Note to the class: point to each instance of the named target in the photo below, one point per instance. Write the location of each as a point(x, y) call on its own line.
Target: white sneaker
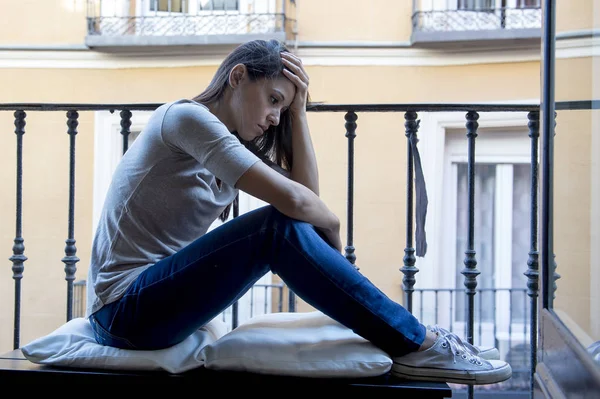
point(484, 352)
point(449, 361)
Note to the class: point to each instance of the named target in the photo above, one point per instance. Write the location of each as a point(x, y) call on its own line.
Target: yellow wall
point(340, 20)
point(576, 15)
point(35, 22)
point(572, 201)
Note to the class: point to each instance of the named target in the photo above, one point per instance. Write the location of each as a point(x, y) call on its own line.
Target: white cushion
point(308, 344)
point(73, 345)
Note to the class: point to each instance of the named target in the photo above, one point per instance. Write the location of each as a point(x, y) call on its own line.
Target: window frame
point(434, 158)
point(146, 8)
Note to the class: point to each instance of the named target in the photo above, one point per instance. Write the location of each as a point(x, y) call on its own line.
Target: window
point(219, 5)
point(166, 5)
point(475, 5)
point(502, 201)
point(528, 3)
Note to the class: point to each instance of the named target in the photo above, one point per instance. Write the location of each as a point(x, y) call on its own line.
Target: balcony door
point(502, 215)
point(502, 206)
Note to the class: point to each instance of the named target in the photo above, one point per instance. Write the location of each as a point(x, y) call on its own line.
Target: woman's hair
point(263, 61)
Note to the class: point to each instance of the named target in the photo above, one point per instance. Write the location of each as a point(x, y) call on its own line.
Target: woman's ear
point(237, 75)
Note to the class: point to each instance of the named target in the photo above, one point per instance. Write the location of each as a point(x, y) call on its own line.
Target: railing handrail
point(322, 107)
point(482, 9)
point(315, 107)
point(464, 289)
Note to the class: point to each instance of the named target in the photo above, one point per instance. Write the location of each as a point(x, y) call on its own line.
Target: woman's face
point(259, 104)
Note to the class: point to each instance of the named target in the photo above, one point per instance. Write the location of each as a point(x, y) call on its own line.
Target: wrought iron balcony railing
point(478, 19)
point(173, 22)
point(476, 306)
point(476, 24)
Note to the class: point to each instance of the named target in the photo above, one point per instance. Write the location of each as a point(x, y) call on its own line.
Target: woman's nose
point(273, 119)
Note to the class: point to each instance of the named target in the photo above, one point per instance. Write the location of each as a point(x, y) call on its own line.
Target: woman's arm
point(292, 199)
point(304, 170)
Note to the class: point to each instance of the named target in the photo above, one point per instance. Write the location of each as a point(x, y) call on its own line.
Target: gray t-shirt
point(163, 195)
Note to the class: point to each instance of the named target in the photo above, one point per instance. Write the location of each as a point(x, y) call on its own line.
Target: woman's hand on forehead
point(294, 71)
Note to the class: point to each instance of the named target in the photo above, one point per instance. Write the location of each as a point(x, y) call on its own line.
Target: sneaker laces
point(442, 331)
point(456, 344)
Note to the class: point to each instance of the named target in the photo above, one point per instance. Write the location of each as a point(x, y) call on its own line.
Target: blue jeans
point(179, 294)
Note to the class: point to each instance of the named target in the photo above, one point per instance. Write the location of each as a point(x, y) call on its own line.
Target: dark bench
point(20, 372)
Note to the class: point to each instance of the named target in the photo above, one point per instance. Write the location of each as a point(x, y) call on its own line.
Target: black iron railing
point(153, 18)
point(416, 199)
point(477, 19)
point(501, 320)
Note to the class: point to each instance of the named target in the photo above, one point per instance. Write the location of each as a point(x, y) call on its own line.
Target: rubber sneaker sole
point(482, 377)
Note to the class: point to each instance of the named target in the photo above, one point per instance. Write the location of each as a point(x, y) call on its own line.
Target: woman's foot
point(447, 360)
point(484, 352)
point(430, 338)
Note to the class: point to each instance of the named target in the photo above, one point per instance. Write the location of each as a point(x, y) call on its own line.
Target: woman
point(156, 275)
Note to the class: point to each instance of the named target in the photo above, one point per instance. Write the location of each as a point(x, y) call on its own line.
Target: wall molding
point(65, 57)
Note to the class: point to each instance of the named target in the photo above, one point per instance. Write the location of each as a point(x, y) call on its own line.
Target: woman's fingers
point(295, 72)
point(294, 64)
point(300, 84)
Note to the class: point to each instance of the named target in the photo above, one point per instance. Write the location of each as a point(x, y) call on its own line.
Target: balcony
point(433, 27)
point(119, 25)
point(503, 316)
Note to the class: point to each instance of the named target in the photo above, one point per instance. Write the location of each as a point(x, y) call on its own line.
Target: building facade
point(382, 52)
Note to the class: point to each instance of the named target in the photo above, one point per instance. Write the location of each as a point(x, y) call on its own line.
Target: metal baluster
point(18, 258)
point(266, 289)
point(436, 307)
point(510, 316)
point(70, 259)
point(532, 272)
point(280, 305)
point(350, 125)
point(479, 324)
point(291, 300)
point(421, 305)
point(523, 294)
point(470, 271)
point(235, 305)
point(409, 270)
point(495, 293)
point(252, 301)
point(451, 305)
point(125, 125)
